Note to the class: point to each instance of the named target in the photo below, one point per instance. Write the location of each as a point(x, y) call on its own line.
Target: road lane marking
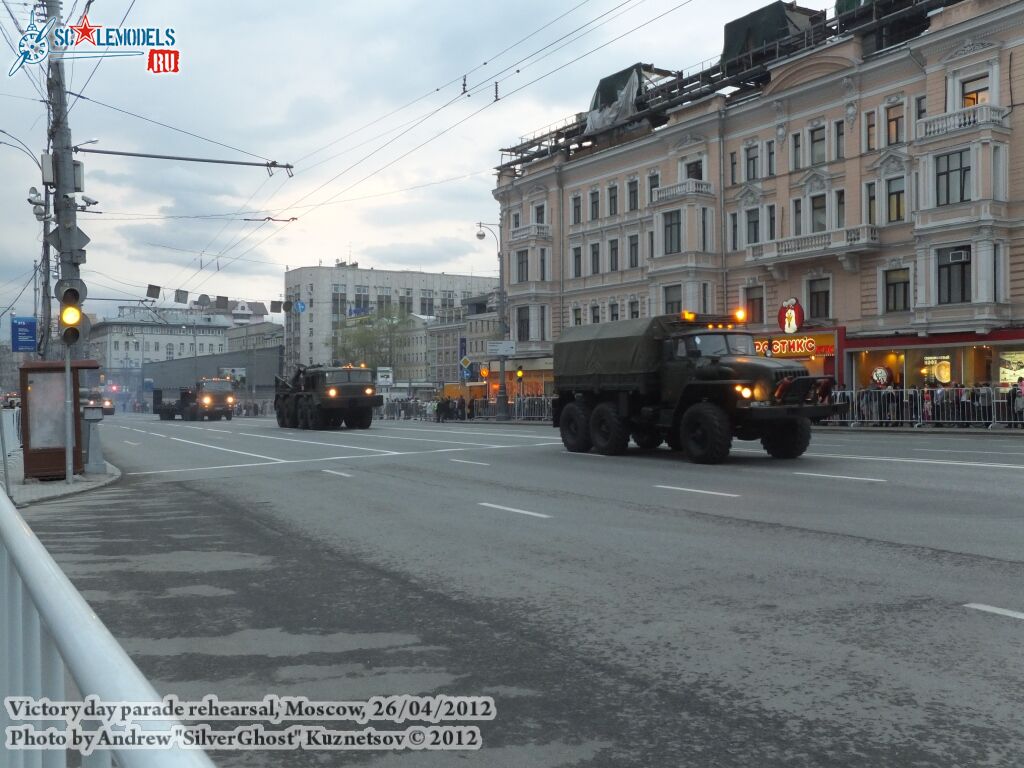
point(464, 461)
point(958, 450)
point(897, 460)
point(431, 440)
point(513, 509)
point(156, 434)
point(316, 442)
point(203, 469)
point(697, 490)
point(225, 431)
point(131, 443)
point(510, 433)
point(842, 477)
point(993, 609)
point(228, 450)
point(334, 472)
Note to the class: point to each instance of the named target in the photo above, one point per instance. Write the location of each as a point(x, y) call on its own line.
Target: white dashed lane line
point(993, 609)
point(464, 461)
point(335, 472)
point(513, 509)
point(697, 490)
point(843, 477)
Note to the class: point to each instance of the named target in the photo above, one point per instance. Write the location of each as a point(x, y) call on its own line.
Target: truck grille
point(788, 373)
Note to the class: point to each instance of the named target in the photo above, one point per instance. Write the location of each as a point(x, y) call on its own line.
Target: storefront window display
point(933, 366)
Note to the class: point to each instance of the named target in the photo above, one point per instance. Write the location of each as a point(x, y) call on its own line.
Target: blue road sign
point(300, 306)
point(23, 334)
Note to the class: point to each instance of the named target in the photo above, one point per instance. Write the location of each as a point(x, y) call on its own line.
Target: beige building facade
point(880, 189)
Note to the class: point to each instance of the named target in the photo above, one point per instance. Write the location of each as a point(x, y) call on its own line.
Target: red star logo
point(85, 30)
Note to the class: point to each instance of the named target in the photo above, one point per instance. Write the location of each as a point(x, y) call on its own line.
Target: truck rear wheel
point(301, 415)
point(574, 426)
point(608, 432)
point(789, 439)
point(282, 419)
point(317, 418)
point(646, 439)
point(705, 434)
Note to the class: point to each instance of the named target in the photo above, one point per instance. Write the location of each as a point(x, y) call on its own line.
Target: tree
point(371, 339)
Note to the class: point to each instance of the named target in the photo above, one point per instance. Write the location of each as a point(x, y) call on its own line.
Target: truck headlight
point(368, 390)
point(207, 399)
point(231, 399)
point(332, 392)
point(744, 391)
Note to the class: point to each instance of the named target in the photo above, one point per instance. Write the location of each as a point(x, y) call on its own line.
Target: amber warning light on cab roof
point(739, 317)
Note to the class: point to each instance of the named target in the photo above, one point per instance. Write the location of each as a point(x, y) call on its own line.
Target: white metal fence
point(942, 407)
point(47, 630)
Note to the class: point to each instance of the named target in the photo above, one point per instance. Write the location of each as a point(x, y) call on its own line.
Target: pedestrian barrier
point(47, 629)
point(519, 409)
point(10, 423)
point(982, 406)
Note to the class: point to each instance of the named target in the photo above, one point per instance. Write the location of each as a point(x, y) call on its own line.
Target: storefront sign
point(791, 316)
point(797, 346)
point(937, 367)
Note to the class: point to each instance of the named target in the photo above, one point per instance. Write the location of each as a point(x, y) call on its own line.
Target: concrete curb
point(1001, 432)
point(36, 492)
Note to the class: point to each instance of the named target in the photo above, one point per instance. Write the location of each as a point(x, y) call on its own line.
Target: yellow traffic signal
point(73, 324)
point(519, 372)
point(484, 372)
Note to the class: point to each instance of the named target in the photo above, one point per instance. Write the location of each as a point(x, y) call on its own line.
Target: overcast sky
point(324, 86)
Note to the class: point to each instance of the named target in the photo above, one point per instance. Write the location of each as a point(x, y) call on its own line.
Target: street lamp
point(502, 414)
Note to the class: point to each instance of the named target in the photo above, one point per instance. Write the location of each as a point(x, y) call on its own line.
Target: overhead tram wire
point(98, 60)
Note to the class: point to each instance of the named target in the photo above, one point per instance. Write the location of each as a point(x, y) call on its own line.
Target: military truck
point(694, 382)
point(323, 397)
point(210, 399)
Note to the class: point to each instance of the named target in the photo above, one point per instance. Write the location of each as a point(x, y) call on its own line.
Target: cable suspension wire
point(100, 59)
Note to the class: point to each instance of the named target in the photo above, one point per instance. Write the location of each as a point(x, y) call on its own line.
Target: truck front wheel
point(705, 434)
point(647, 438)
point(359, 418)
point(574, 426)
point(789, 439)
point(608, 432)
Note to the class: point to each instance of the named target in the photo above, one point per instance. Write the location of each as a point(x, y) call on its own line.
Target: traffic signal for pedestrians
point(73, 325)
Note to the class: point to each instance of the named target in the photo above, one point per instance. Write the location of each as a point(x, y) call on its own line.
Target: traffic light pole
point(69, 423)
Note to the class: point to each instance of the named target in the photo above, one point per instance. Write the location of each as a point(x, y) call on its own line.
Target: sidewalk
point(24, 493)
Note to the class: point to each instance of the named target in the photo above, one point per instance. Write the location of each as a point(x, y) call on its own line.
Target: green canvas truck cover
point(622, 347)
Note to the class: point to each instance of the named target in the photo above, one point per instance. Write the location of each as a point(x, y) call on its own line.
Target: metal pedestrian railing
point(984, 407)
point(520, 409)
point(47, 630)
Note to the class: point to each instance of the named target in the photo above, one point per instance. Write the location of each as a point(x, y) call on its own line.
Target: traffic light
point(519, 373)
point(73, 325)
point(484, 371)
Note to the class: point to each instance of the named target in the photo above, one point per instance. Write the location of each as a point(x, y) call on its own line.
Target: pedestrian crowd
point(954, 404)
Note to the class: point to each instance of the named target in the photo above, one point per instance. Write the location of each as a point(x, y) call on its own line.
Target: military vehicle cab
point(212, 399)
point(325, 397)
point(692, 381)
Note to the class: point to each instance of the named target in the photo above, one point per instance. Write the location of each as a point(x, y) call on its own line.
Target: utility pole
point(69, 240)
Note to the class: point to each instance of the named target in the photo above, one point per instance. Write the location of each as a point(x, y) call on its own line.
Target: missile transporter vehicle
point(691, 381)
point(210, 399)
point(323, 397)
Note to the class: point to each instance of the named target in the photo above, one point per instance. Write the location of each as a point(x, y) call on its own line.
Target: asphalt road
point(626, 611)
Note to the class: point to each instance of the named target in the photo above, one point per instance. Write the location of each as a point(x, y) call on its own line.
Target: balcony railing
point(538, 231)
point(971, 117)
point(837, 240)
point(687, 187)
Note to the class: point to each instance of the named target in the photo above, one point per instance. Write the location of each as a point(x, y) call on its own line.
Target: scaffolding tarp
point(614, 100)
point(764, 26)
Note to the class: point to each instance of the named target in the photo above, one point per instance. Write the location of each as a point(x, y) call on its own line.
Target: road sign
point(466, 362)
point(501, 348)
point(23, 334)
point(385, 377)
point(70, 240)
point(299, 306)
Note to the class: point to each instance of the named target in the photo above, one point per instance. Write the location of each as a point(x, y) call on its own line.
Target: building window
point(634, 251)
point(818, 145)
point(753, 226)
point(769, 149)
point(613, 312)
point(673, 226)
point(840, 208)
point(974, 91)
point(819, 220)
point(819, 292)
point(522, 266)
point(577, 316)
point(954, 275)
point(542, 332)
point(543, 264)
point(653, 182)
point(695, 170)
point(771, 222)
point(577, 209)
point(734, 234)
point(797, 160)
point(751, 162)
point(515, 221)
point(869, 131)
point(897, 290)
point(921, 107)
point(523, 323)
point(897, 196)
point(871, 202)
point(613, 255)
point(634, 310)
point(704, 227)
point(117, 345)
point(798, 217)
point(732, 167)
point(754, 300)
point(894, 125)
point(538, 214)
point(426, 305)
point(673, 299)
point(953, 177)
point(595, 205)
point(633, 194)
point(840, 139)
point(595, 258)
point(705, 297)
point(613, 200)
point(595, 314)
point(577, 262)
point(650, 244)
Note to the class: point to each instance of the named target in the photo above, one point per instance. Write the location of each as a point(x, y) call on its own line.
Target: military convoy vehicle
point(210, 399)
point(323, 397)
point(694, 382)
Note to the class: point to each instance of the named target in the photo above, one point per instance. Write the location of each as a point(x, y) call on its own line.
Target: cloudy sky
point(392, 164)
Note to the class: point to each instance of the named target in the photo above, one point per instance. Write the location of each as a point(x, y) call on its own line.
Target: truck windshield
point(356, 376)
point(217, 386)
point(717, 344)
